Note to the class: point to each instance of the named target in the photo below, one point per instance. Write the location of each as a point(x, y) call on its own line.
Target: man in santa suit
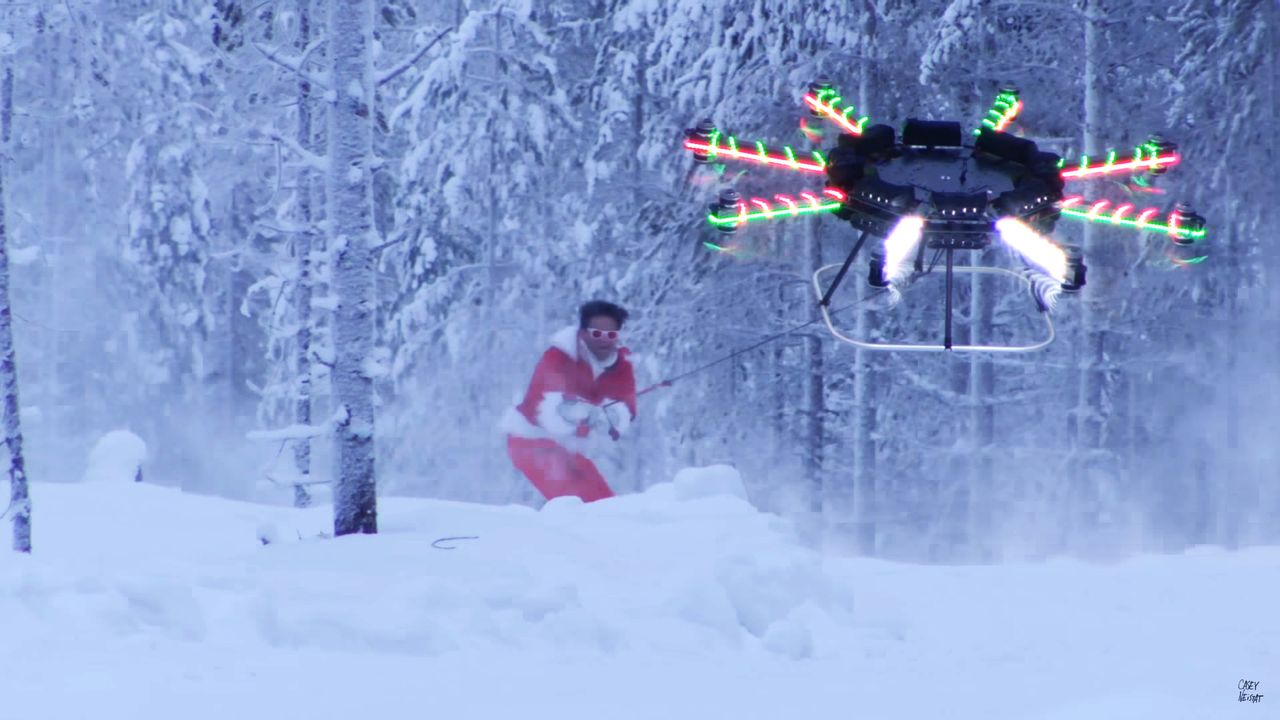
point(583, 392)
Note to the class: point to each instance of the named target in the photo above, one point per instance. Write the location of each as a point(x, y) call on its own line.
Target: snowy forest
point(289, 243)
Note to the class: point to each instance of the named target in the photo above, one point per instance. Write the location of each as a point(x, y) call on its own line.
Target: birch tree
point(1093, 413)
point(867, 364)
point(303, 248)
point(19, 502)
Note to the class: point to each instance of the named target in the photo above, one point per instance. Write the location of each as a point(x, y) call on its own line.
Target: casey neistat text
point(1249, 691)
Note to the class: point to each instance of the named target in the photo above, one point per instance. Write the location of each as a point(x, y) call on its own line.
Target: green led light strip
point(828, 103)
point(1120, 218)
point(713, 148)
point(766, 211)
point(1145, 157)
point(1005, 108)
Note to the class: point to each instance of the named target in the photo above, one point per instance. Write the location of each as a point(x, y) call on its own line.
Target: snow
point(24, 255)
point(683, 601)
point(116, 458)
point(375, 366)
point(329, 303)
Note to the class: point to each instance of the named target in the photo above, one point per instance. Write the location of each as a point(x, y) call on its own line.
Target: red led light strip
point(1129, 164)
point(1099, 212)
point(791, 207)
point(1009, 116)
point(827, 103)
point(1003, 111)
point(788, 160)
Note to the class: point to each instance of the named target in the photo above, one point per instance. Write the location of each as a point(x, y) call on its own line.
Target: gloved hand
point(588, 418)
point(596, 420)
point(575, 412)
point(612, 414)
point(615, 418)
point(583, 416)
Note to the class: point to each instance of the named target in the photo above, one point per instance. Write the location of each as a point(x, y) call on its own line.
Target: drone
point(935, 187)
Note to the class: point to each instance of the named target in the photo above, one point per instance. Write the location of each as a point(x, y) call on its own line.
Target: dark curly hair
point(596, 308)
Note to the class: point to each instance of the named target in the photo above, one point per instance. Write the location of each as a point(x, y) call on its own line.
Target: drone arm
point(1003, 111)
point(708, 144)
point(827, 104)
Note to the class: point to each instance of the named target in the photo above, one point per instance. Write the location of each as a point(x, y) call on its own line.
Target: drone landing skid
point(922, 347)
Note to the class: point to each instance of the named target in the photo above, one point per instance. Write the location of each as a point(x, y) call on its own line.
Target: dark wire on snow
point(436, 543)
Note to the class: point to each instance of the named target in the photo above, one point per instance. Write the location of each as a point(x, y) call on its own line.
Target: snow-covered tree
point(351, 162)
point(19, 502)
point(1228, 51)
point(478, 243)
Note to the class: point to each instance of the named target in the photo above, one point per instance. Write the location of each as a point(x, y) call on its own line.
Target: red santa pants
point(556, 471)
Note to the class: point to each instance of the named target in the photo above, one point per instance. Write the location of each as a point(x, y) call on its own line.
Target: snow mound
point(692, 483)
point(117, 457)
point(689, 566)
point(681, 601)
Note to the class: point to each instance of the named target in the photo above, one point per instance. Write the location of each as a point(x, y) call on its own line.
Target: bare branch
point(392, 73)
point(318, 162)
point(286, 229)
point(306, 52)
point(294, 65)
point(387, 244)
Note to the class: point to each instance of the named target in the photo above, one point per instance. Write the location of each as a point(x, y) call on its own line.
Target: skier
point(583, 389)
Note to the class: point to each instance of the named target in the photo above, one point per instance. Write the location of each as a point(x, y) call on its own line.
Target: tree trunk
point(1093, 409)
point(19, 502)
point(350, 216)
point(58, 404)
point(865, 370)
point(302, 291)
point(981, 381)
point(981, 421)
point(815, 436)
point(1223, 514)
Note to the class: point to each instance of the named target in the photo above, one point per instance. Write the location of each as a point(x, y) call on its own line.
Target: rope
point(706, 366)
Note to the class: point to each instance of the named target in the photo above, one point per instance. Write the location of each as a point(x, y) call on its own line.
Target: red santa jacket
point(568, 371)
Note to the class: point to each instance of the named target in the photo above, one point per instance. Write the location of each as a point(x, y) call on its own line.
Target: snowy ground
point(684, 602)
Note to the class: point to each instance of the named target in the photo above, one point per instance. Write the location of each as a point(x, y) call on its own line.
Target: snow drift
point(681, 602)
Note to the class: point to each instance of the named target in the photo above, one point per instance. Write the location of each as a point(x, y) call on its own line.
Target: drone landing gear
point(824, 298)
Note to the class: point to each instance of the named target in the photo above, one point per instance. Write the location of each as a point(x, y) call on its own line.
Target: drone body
point(935, 187)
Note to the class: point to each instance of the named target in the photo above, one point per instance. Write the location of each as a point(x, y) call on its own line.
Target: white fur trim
point(566, 340)
point(549, 417)
point(516, 424)
point(513, 422)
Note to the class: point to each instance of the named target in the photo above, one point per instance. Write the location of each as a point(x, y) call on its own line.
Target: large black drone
point(934, 187)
